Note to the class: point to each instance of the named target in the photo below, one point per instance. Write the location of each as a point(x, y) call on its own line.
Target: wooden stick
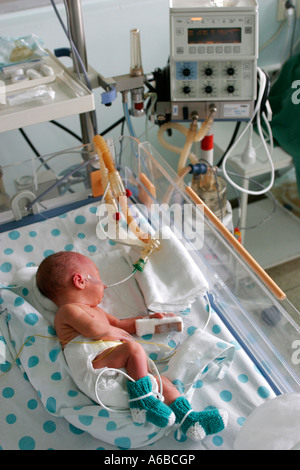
point(239, 248)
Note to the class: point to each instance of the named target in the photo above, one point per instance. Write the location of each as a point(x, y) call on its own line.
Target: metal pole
point(78, 37)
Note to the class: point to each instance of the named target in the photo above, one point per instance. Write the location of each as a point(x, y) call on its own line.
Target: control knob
point(230, 71)
point(208, 71)
point(186, 72)
point(208, 89)
point(186, 89)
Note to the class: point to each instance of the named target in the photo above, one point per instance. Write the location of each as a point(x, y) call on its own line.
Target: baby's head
point(67, 272)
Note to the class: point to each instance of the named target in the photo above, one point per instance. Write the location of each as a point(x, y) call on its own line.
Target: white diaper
point(111, 388)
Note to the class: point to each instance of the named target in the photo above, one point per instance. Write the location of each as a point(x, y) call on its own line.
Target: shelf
point(71, 97)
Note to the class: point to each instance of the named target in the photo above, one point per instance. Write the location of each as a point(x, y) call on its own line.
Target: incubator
point(113, 199)
point(254, 309)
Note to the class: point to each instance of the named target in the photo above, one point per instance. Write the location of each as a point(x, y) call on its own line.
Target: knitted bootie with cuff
point(198, 424)
point(145, 406)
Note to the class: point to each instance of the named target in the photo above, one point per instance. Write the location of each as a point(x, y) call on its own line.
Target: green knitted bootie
point(198, 424)
point(144, 406)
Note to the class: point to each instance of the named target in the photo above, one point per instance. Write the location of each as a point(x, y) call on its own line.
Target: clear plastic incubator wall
point(239, 307)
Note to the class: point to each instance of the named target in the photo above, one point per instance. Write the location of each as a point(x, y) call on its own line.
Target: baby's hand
point(161, 315)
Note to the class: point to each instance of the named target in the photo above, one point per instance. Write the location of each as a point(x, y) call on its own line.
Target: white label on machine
point(175, 110)
point(236, 110)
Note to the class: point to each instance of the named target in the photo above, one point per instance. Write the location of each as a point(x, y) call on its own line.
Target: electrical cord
point(238, 198)
point(234, 135)
point(256, 114)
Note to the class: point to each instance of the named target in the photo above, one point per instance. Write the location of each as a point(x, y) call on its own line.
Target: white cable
point(121, 410)
point(123, 280)
point(106, 369)
point(256, 112)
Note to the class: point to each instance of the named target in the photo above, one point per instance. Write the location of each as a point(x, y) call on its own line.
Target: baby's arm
point(128, 324)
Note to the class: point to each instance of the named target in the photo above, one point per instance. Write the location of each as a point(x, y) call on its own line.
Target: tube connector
point(152, 245)
point(198, 168)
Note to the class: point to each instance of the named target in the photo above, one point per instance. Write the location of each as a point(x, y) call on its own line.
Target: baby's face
point(94, 283)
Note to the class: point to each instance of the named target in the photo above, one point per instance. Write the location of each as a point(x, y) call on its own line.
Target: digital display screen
point(214, 35)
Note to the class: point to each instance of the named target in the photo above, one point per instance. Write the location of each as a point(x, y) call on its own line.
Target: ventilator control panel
point(213, 53)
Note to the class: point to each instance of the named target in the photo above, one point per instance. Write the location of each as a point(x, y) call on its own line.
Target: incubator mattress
point(40, 407)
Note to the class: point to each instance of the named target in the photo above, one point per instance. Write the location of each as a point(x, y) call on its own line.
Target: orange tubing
point(101, 145)
point(105, 155)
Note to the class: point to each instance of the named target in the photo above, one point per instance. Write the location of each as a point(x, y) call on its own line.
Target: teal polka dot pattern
point(27, 443)
point(226, 395)
point(5, 267)
point(55, 232)
point(8, 392)
point(39, 391)
point(14, 235)
point(80, 219)
point(11, 418)
point(31, 318)
point(263, 392)
point(123, 443)
point(49, 427)
point(33, 361)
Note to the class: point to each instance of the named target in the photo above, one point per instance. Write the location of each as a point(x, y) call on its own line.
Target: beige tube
point(117, 190)
point(206, 125)
point(171, 147)
point(187, 147)
point(191, 136)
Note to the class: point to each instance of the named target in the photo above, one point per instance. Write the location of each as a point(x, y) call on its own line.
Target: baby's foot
point(145, 406)
point(198, 424)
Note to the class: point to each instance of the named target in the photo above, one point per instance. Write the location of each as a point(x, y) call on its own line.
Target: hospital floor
point(275, 246)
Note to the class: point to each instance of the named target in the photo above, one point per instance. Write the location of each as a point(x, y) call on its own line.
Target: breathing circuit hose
point(192, 135)
point(116, 192)
point(117, 189)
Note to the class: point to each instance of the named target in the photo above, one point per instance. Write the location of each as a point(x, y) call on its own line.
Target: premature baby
point(72, 281)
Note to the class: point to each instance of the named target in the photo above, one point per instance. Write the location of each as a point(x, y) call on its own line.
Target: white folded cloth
point(171, 281)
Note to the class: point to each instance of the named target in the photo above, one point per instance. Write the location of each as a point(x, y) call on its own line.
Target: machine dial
point(208, 89)
point(186, 72)
point(186, 89)
point(230, 71)
point(208, 71)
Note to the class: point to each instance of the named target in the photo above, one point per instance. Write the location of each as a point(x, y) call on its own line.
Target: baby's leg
point(143, 404)
point(128, 355)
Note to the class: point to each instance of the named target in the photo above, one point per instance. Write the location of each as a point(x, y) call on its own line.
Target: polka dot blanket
point(41, 407)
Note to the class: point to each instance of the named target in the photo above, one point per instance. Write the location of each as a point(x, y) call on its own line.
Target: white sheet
point(180, 281)
point(275, 425)
point(25, 423)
